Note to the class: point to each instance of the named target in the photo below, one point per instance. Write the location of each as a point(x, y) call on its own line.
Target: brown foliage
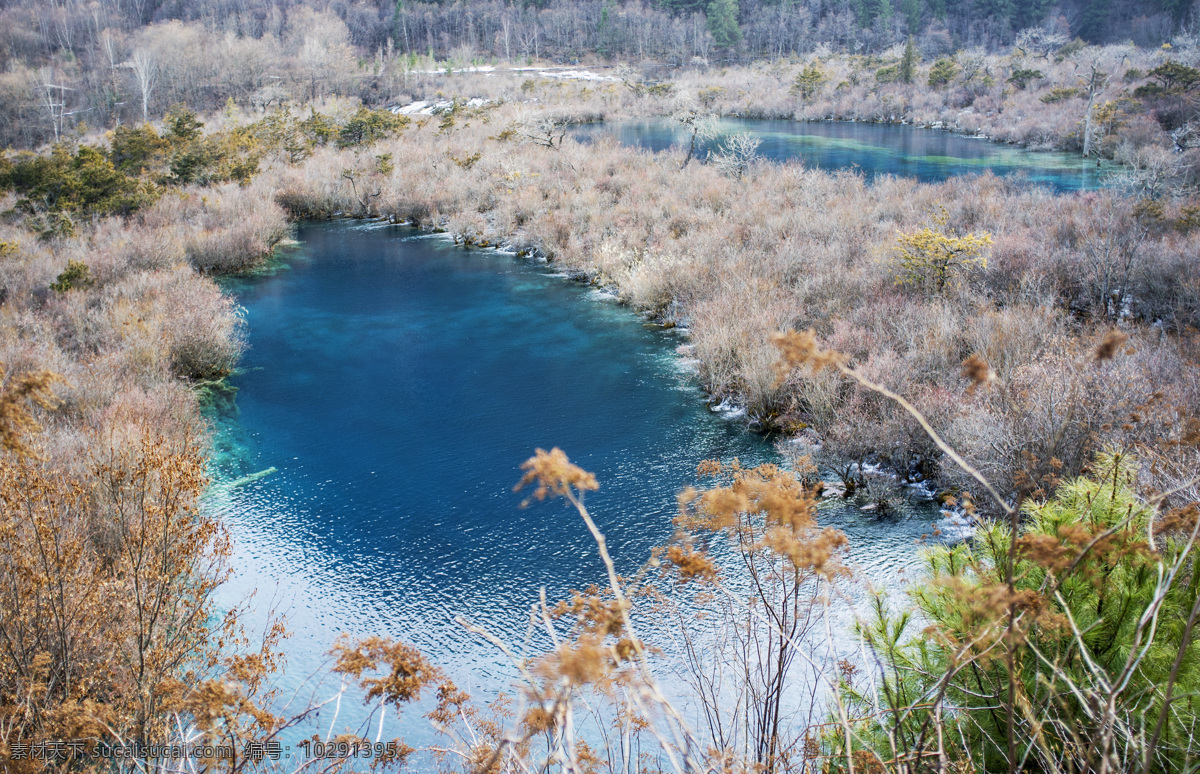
point(107, 597)
point(16, 393)
point(1113, 341)
point(554, 475)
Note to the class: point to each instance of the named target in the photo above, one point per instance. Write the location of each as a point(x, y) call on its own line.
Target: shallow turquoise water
point(928, 155)
point(395, 382)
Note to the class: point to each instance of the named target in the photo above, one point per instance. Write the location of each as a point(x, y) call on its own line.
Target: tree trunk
point(1087, 123)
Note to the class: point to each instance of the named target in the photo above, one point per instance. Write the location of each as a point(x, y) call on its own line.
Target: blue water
point(395, 382)
point(928, 155)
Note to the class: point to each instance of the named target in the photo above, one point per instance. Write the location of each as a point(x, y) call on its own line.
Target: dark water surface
point(929, 155)
point(395, 383)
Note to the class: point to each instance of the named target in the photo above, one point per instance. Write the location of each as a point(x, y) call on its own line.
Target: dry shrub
point(155, 249)
point(313, 190)
point(109, 632)
point(173, 319)
point(732, 339)
point(18, 393)
point(1012, 337)
point(1050, 416)
point(27, 273)
point(660, 280)
point(223, 229)
point(1168, 286)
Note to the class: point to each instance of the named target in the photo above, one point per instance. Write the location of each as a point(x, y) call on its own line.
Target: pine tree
point(883, 13)
point(723, 23)
point(912, 14)
point(908, 64)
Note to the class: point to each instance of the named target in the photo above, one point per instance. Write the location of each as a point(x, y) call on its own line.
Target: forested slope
point(101, 63)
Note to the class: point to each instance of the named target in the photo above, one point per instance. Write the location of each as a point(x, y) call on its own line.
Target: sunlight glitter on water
point(396, 384)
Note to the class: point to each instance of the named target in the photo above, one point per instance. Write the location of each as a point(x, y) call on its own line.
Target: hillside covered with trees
point(103, 63)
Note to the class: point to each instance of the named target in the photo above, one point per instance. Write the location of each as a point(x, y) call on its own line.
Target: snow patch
point(577, 75)
point(728, 410)
point(426, 108)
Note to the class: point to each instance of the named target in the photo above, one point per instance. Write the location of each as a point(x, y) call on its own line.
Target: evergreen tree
point(1177, 8)
point(604, 31)
point(1030, 13)
point(682, 6)
point(1094, 20)
point(1004, 10)
point(723, 23)
point(870, 12)
point(862, 12)
point(883, 12)
point(1073, 604)
point(908, 63)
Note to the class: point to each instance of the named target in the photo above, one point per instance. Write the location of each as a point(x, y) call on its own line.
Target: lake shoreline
point(737, 259)
point(785, 139)
point(731, 407)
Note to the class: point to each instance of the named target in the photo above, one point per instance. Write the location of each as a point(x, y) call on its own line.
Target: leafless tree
point(1094, 80)
point(1038, 42)
point(737, 153)
point(53, 98)
point(145, 70)
point(545, 130)
point(702, 127)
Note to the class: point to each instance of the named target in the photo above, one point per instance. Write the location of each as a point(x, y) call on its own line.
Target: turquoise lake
point(929, 155)
point(395, 383)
